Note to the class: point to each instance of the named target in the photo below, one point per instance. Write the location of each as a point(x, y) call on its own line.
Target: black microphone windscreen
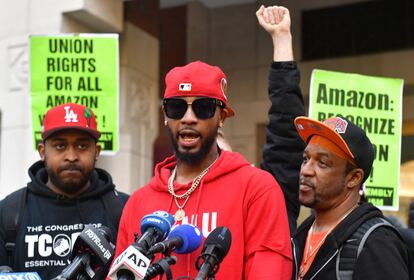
point(94, 241)
point(221, 238)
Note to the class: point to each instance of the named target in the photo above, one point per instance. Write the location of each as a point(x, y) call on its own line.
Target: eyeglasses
point(203, 108)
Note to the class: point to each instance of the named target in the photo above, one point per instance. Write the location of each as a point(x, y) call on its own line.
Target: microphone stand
point(203, 269)
point(76, 270)
point(160, 267)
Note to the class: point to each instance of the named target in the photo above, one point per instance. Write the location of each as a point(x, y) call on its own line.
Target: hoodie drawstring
point(171, 204)
point(194, 223)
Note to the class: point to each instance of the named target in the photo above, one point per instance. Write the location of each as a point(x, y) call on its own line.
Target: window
point(359, 28)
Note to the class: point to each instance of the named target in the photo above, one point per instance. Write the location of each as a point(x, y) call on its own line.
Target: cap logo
point(184, 87)
point(337, 124)
point(70, 115)
point(88, 116)
point(223, 85)
point(315, 126)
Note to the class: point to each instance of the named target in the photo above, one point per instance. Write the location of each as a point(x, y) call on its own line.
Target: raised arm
point(282, 153)
point(276, 21)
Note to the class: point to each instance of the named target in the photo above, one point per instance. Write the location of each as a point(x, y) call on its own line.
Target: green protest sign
point(375, 105)
point(81, 68)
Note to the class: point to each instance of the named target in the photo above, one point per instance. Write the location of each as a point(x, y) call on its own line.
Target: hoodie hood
point(359, 215)
point(101, 182)
point(346, 228)
point(336, 238)
point(226, 163)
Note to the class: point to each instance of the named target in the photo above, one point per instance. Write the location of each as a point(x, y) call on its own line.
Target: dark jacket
point(51, 222)
point(282, 153)
point(384, 255)
point(411, 215)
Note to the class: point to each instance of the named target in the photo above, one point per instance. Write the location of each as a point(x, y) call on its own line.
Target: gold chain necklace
point(308, 246)
point(180, 214)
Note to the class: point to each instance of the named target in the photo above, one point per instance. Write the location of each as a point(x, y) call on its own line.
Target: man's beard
point(72, 185)
point(197, 157)
point(320, 199)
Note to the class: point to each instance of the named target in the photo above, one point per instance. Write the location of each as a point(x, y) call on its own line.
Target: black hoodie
point(384, 255)
point(51, 222)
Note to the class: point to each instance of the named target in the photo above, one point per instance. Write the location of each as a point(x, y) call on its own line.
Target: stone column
point(132, 166)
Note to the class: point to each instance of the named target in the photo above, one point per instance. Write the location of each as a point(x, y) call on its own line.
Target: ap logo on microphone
point(132, 260)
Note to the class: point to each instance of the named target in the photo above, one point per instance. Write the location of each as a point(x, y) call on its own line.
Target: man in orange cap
point(40, 222)
point(337, 160)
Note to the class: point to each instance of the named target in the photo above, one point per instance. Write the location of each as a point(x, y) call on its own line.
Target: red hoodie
point(234, 194)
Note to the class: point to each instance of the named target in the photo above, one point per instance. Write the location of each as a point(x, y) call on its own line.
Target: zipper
point(336, 252)
point(294, 258)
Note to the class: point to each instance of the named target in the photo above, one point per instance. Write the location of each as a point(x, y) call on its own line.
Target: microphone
point(5, 275)
point(183, 239)
point(215, 248)
point(5, 268)
point(130, 264)
point(91, 251)
point(134, 262)
point(154, 228)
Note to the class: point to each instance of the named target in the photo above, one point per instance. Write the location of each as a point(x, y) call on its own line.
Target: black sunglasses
point(203, 108)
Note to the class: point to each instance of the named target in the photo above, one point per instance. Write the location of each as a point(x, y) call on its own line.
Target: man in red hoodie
point(209, 187)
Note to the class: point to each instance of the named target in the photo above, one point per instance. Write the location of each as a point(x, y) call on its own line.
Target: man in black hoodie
point(335, 163)
point(66, 192)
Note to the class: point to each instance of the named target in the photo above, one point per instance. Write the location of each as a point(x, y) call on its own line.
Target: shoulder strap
point(350, 250)
point(113, 204)
point(11, 216)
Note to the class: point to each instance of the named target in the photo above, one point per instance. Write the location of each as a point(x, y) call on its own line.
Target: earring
point(165, 122)
point(221, 124)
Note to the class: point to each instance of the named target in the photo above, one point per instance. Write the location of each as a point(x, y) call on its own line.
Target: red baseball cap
point(70, 116)
point(197, 79)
